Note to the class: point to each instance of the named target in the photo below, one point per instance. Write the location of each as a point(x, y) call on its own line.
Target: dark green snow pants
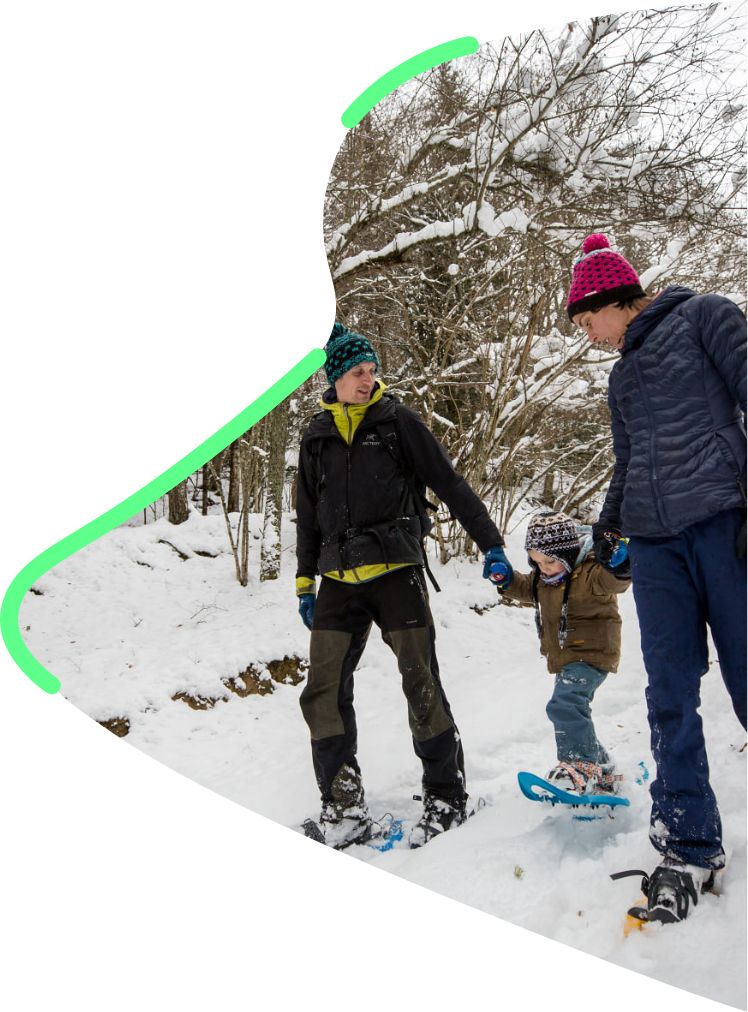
point(398, 604)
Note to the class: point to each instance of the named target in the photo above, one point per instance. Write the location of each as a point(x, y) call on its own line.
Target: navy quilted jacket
point(677, 404)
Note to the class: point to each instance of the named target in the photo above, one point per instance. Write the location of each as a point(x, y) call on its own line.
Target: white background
point(162, 178)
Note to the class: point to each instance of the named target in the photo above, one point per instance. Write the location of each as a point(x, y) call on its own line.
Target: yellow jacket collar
point(337, 406)
point(348, 416)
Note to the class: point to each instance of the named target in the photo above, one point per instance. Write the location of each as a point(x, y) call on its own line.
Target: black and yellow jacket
point(359, 504)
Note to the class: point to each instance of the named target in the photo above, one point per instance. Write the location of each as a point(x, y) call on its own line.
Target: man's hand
point(497, 568)
point(306, 609)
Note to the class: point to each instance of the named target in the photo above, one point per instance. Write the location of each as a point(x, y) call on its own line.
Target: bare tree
point(275, 471)
point(179, 509)
point(455, 209)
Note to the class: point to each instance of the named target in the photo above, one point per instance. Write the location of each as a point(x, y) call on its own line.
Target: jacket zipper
point(348, 451)
point(348, 466)
point(654, 480)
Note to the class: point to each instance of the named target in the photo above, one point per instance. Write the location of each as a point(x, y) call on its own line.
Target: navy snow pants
point(683, 584)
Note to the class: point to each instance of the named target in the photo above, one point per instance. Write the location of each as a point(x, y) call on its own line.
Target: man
point(677, 404)
point(363, 466)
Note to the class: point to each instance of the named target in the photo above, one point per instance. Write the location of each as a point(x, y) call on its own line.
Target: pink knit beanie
point(600, 277)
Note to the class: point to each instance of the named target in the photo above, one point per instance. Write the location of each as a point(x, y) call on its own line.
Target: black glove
point(605, 543)
point(611, 551)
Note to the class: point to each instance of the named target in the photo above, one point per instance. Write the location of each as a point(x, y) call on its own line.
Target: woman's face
point(606, 326)
point(356, 385)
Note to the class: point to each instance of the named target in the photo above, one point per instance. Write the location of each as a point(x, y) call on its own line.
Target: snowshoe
point(340, 833)
point(670, 891)
point(439, 816)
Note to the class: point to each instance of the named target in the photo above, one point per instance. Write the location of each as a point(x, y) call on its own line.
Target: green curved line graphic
point(73, 543)
point(403, 72)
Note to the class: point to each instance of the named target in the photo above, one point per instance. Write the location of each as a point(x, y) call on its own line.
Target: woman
point(677, 405)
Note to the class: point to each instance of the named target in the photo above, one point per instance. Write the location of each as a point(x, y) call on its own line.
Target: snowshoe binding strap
point(628, 874)
point(581, 773)
point(669, 893)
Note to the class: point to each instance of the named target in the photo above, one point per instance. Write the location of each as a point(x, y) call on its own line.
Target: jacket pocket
point(725, 448)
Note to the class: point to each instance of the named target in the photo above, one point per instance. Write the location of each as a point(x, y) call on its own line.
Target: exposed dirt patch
point(196, 702)
point(255, 680)
point(117, 725)
point(290, 671)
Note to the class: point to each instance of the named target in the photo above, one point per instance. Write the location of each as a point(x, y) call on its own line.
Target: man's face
point(606, 326)
point(356, 385)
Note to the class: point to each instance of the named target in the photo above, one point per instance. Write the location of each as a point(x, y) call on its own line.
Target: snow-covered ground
point(127, 623)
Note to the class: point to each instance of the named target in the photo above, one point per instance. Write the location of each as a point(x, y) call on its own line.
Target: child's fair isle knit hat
point(600, 277)
point(555, 535)
point(345, 349)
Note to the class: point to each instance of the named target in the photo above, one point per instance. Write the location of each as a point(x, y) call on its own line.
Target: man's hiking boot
point(439, 815)
point(345, 818)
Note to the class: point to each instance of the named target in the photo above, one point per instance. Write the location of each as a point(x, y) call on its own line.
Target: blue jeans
point(569, 711)
point(682, 585)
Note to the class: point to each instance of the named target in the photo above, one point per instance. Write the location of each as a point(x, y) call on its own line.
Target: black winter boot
point(439, 815)
point(345, 819)
point(671, 890)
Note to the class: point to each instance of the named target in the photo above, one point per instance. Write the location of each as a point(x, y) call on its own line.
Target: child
point(577, 619)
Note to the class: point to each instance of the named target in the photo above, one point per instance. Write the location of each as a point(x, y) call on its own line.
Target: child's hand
point(500, 575)
point(497, 568)
point(620, 554)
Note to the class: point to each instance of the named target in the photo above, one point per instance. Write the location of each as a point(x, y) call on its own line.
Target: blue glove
point(620, 554)
point(497, 567)
point(306, 608)
point(620, 560)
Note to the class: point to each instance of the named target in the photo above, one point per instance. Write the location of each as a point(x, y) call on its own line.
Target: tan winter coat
point(593, 622)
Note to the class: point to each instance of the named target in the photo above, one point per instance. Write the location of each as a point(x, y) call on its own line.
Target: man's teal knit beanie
point(345, 349)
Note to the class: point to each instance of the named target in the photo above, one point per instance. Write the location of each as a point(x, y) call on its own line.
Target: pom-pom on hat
point(555, 535)
point(601, 277)
point(345, 349)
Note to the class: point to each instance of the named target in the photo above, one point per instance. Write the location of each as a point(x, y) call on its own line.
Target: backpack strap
point(390, 436)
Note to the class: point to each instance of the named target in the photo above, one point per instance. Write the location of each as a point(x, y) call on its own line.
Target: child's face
point(546, 565)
